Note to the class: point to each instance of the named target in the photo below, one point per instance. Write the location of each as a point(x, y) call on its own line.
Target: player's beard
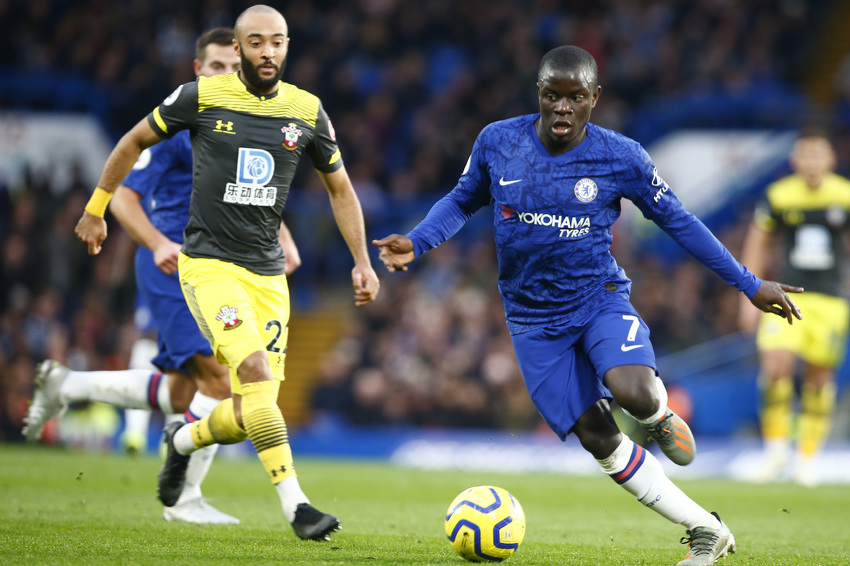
point(253, 78)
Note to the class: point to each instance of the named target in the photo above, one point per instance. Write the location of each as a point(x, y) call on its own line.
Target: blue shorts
point(564, 366)
point(179, 337)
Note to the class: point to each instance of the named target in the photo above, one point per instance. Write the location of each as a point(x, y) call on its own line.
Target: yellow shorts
point(819, 339)
point(238, 311)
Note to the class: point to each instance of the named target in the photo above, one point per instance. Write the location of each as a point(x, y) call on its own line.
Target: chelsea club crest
point(586, 190)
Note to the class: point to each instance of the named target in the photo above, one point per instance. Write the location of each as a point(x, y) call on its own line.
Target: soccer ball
point(485, 524)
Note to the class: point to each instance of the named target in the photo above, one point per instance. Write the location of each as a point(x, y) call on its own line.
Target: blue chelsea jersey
point(163, 178)
point(553, 215)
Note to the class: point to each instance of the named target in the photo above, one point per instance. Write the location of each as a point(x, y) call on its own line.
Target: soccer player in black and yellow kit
point(807, 213)
point(248, 131)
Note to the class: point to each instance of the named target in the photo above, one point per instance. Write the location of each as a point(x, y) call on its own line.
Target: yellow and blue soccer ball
point(485, 524)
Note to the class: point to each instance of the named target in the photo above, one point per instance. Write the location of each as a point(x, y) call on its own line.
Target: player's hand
point(91, 230)
point(366, 284)
point(396, 252)
point(293, 260)
point(773, 297)
point(166, 255)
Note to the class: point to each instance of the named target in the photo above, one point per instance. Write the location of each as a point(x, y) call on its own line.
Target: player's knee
point(778, 365)
point(255, 368)
point(635, 390)
point(216, 388)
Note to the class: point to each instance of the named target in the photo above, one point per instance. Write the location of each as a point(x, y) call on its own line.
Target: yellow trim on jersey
point(228, 91)
point(159, 121)
point(792, 193)
point(335, 157)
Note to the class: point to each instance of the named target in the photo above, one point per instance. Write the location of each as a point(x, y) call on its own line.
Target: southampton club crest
point(586, 190)
point(228, 315)
point(291, 134)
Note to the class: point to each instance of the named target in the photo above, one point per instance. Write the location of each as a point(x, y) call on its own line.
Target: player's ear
point(196, 64)
point(594, 98)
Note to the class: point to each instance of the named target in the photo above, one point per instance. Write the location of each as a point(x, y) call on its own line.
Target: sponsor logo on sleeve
point(173, 96)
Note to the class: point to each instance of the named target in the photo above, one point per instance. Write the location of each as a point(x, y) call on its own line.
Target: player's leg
point(181, 345)
point(817, 404)
point(213, 385)
point(778, 344)
point(637, 471)
point(822, 352)
point(134, 439)
point(57, 386)
point(568, 393)
point(617, 344)
point(776, 384)
point(246, 316)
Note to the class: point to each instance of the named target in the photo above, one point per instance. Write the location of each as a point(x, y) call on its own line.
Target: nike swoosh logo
point(625, 348)
point(503, 182)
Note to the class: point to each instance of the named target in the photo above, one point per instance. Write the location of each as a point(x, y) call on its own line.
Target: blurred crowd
point(408, 85)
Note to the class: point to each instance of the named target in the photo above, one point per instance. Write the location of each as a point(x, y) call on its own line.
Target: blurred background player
point(806, 214)
point(153, 206)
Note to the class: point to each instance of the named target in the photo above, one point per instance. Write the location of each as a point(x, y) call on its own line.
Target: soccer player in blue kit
point(152, 205)
point(555, 182)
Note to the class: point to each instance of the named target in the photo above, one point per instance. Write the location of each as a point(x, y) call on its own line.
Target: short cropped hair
point(219, 36)
point(569, 57)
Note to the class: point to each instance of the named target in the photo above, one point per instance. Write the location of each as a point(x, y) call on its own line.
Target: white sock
point(291, 496)
point(137, 421)
point(639, 473)
point(173, 418)
point(201, 406)
point(129, 388)
point(201, 460)
point(662, 406)
point(183, 442)
point(199, 464)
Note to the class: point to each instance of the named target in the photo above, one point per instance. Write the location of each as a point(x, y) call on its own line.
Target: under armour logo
point(224, 127)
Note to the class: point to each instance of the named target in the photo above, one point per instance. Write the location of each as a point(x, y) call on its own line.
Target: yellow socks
point(219, 427)
point(816, 407)
point(776, 409)
point(266, 428)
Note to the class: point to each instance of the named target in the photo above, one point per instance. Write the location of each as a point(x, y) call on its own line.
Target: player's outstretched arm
point(91, 228)
point(396, 252)
point(773, 297)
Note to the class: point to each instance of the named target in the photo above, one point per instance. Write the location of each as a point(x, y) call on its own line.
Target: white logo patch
point(255, 166)
point(503, 182)
point(254, 169)
point(586, 190)
point(172, 97)
point(144, 160)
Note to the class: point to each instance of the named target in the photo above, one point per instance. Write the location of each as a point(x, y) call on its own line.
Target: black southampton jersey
point(245, 150)
point(810, 224)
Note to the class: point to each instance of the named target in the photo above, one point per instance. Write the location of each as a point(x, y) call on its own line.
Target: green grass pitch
point(61, 507)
